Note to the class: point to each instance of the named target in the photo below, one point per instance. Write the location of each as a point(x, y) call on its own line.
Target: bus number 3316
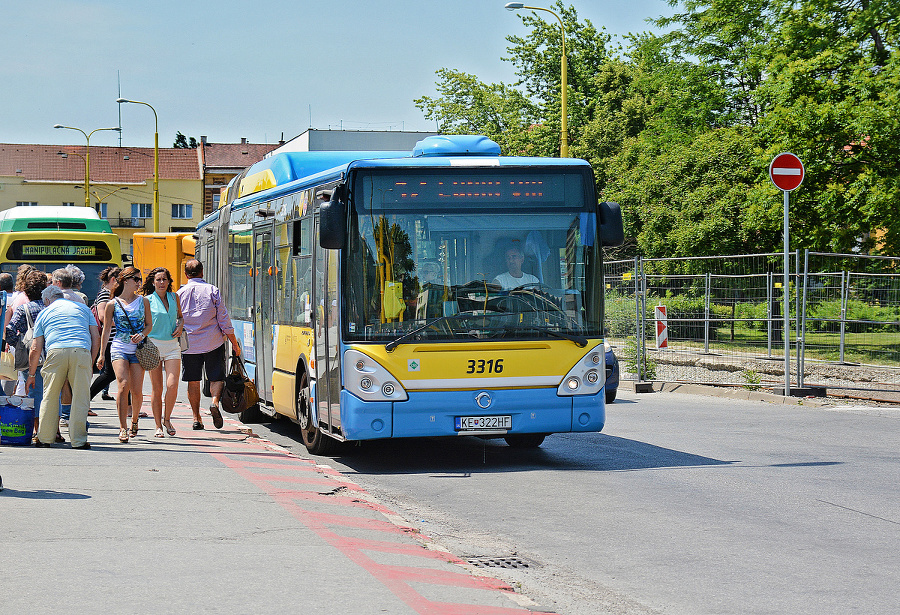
point(481, 366)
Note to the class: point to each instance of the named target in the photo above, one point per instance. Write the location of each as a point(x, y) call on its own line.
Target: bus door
point(327, 370)
point(263, 301)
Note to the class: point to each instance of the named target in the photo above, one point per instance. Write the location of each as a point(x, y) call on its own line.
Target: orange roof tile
point(108, 164)
point(234, 155)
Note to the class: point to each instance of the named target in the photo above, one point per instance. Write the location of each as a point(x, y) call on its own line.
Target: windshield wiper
point(393, 344)
point(579, 340)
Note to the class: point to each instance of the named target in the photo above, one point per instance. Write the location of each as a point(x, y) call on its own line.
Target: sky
point(261, 70)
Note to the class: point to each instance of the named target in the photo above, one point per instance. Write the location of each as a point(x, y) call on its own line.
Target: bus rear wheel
point(525, 440)
point(316, 442)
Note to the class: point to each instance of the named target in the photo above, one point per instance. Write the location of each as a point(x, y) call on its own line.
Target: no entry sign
point(786, 172)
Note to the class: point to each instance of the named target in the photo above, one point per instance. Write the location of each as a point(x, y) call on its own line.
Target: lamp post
point(155, 160)
point(100, 200)
point(87, 158)
point(564, 137)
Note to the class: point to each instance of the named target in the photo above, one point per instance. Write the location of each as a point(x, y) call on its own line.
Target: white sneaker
point(63, 423)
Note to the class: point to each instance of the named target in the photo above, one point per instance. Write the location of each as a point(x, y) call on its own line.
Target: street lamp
point(564, 137)
point(100, 200)
point(155, 161)
point(87, 158)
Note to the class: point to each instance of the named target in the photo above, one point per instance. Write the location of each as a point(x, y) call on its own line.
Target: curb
point(734, 393)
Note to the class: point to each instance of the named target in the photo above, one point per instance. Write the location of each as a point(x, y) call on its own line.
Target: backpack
point(23, 346)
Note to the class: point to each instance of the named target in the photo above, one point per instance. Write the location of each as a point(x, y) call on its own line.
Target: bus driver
point(515, 277)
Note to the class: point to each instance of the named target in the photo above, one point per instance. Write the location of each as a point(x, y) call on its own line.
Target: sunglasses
point(135, 278)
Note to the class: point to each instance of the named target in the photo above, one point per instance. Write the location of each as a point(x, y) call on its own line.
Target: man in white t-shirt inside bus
point(515, 277)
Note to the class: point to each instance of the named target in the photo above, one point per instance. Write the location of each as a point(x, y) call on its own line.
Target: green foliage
point(751, 378)
point(182, 142)
point(680, 128)
point(619, 317)
point(631, 360)
point(825, 317)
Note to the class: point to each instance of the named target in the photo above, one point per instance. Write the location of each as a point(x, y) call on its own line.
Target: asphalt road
point(684, 504)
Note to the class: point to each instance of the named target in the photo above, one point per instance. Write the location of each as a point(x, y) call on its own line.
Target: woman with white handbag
point(167, 326)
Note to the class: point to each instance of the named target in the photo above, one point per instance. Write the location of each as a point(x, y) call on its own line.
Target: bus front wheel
point(316, 442)
point(525, 440)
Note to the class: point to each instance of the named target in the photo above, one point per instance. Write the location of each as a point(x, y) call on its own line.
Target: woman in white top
point(167, 323)
point(133, 319)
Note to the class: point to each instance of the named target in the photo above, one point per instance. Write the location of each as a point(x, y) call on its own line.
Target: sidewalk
point(213, 521)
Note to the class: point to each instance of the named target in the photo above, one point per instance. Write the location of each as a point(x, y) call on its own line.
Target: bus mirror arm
point(333, 220)
point(612, 232)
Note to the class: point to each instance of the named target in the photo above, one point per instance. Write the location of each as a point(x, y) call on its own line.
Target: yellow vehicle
point(375, 293)
point(53, 237)
point(168, 250)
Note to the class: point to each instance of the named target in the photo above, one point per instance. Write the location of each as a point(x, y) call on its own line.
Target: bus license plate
point(483, 423)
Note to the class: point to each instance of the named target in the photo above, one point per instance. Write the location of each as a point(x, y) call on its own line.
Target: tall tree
point(182, 142)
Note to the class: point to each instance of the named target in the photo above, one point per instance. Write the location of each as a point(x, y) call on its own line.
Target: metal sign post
point(787, 173)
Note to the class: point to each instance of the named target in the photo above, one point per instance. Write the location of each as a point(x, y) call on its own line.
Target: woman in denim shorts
point(133, 319)
point(167, 323)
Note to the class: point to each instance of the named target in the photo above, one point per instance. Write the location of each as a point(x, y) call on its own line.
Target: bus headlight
point(587, 376)
point(368, 380)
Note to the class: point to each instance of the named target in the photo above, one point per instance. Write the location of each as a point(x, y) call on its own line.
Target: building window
point(182, 211)
point(141, 210)
point(68, 204)
point(101, 209)
point(26, 204)
point(216, 199)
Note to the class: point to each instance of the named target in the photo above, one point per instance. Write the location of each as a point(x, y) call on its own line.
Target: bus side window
point(284, 285)
point(239, 275)
point(302, 237)
point(303, 290)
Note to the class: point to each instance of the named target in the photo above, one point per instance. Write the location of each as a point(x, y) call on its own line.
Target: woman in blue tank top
point(167, 323)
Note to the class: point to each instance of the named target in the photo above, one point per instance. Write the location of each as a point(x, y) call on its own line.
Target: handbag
point(239, 392)
point(8, 369)
point(147, 353)
point(183, 341)
point(23, 346)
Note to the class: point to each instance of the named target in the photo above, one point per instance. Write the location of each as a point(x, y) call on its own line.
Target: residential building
point(121, 184)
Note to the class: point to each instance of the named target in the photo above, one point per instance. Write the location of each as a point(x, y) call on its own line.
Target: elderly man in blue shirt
point(69, 332)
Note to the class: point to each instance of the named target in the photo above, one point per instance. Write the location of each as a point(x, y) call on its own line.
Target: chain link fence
point(722, 319)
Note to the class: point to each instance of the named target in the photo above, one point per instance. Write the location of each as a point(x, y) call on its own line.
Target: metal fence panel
point(725, 315)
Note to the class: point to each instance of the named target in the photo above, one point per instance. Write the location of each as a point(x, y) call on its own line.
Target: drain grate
point(512, 562)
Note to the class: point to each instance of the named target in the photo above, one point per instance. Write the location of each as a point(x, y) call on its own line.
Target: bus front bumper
point(434, 413)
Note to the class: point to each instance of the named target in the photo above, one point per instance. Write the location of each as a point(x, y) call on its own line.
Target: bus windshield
point(456, 254)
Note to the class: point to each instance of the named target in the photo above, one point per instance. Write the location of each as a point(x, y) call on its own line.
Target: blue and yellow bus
point(51, 237)
point(364, 288)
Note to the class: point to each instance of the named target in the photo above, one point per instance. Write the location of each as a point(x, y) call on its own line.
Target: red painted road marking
point(345, 495)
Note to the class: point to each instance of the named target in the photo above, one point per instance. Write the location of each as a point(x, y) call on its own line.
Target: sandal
point(170, 429)
point(216, 417)
point(134, 428)
point(123, 435)
point(197, 425)
point(159, 433)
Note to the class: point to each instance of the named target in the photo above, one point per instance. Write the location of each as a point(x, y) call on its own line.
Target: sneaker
point(63, 423)
point(107, 397)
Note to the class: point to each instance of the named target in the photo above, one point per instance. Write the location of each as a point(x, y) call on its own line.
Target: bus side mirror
point(333, 220)
point(612, 232)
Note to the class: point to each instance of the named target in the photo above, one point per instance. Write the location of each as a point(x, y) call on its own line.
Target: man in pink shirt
point(207, 325)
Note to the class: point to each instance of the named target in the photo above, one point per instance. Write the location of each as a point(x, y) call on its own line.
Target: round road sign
point(786, 172)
